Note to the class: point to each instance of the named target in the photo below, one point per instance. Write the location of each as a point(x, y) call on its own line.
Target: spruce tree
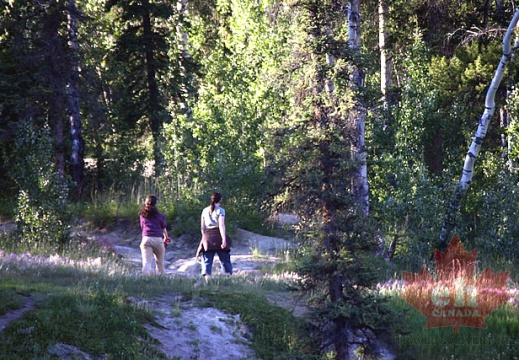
point(312, 156)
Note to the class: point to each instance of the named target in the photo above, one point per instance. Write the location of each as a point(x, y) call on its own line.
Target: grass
point(277, 334)
point(499, 340)
point(82, 298)
point(96, 322)
point(106, 214)
point(79, 303)
point(10, 300)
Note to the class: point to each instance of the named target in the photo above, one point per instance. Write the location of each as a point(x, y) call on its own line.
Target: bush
point(41, 214)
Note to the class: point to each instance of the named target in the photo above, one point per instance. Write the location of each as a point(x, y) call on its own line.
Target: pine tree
point(141, 56)
point(313, 152)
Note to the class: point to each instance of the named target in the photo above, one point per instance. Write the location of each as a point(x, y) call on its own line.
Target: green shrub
point(41, 215)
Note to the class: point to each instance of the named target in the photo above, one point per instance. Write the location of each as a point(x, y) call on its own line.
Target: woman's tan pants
point(152, 247)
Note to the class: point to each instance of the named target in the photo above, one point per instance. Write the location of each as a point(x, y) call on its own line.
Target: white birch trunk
point(511, 122)
point(385, 58)
point(77, 152)
point(477, 141)
point(357, 115)
point(511, 143)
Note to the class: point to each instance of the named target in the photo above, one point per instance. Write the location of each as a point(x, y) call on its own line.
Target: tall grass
point(183, 216)
point(499, 340)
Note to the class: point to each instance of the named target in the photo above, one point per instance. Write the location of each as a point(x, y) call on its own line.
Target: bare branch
point(474, 34)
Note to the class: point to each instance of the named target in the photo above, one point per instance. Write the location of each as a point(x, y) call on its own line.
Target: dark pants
point(225, 261)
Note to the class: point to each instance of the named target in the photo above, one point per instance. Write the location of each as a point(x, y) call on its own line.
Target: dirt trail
point(186, 332)
point(190, 332)
point(250, 253)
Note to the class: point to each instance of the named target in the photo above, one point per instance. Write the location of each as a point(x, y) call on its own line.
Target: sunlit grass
point(77, 291)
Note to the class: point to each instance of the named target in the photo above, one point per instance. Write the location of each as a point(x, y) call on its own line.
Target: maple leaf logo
point(455, 298)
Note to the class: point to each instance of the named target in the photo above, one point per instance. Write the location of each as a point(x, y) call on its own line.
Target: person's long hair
point(216, 197)
point(149, 208)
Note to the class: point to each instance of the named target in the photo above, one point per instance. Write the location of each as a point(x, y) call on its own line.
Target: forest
point(357, 116)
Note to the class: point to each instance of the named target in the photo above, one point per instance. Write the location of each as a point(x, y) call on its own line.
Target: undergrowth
point(499, 340)
point(83, 297)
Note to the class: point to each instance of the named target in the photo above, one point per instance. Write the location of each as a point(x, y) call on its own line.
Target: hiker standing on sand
point(212, 226)
point(154, 236)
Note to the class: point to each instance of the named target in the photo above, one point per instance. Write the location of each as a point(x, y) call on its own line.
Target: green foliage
point(311, 162)
point(410, 211)
point(42, 215)
point(141, 45)
point(426, 131)
point(108, 213)
point(342, 287)
point(119, 167)
point(512, 130)
point(7, 209)
point(413, 175)
point(185, 218)
point(43, 219)
point(217, 144)
point(491, 220)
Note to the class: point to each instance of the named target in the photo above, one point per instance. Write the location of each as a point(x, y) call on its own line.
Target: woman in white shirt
point(212, 226)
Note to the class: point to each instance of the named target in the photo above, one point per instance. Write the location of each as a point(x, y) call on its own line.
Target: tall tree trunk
point(341, 323)
point(183, 60)
point(155, 112)
point(385, 56)
point(185, 56)
point(54, 54)
point(509, 141)
point(477, 141)
point(78, 144)
point(500, 9)
point(343, 332)
point(358, 114)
